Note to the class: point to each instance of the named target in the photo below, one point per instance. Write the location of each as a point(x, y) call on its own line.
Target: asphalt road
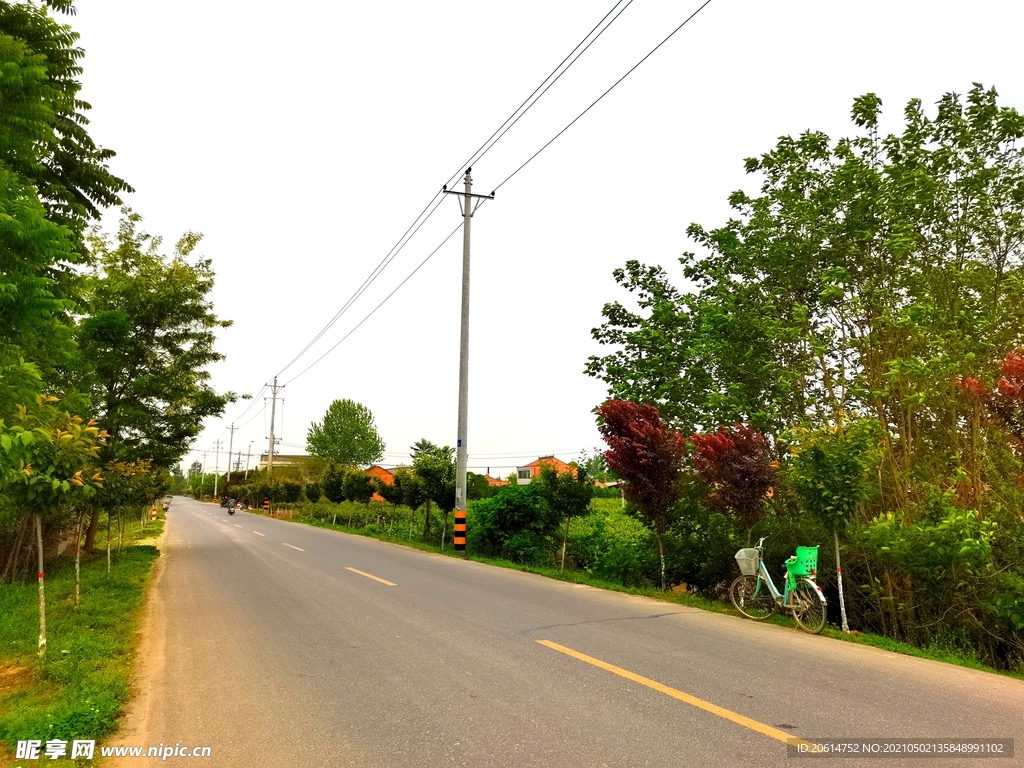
point(264, 644)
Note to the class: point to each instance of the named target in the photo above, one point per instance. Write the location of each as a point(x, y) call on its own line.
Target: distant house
point(526, 473)
point(495, 481)
point(386, 476)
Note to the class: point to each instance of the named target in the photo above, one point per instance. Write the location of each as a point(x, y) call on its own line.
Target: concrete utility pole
point(468, 209)
point(231, 445)
point(273, 411)
point(216, 467)
point(247, 459)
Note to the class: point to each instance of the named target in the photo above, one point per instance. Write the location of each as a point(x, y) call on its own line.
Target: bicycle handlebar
point(760, 544)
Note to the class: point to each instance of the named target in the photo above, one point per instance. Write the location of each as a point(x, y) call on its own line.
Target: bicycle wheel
point(752, 598)
point(807, 607)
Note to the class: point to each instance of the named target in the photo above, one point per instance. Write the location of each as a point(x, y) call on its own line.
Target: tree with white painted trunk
point(47, 462)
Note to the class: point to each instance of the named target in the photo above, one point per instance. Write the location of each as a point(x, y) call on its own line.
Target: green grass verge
point(948, 656)
point(78, 690)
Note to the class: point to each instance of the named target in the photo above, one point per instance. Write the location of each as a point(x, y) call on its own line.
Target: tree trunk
point(9, 568)
point(839, 576)
point(90, 535)
point(335, 520)
point(412, 519)
point(17, 556)
point(78, 561)
point(661, 554)
point(565, 538)
point(42, 591)
point(426, 521)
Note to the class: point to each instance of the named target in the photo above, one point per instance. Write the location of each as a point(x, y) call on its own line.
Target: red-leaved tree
point(648, 457)
point(736, 465)
point(1008, 400)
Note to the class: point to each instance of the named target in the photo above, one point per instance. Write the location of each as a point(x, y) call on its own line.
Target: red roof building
point(529, 471)
point(377, 472)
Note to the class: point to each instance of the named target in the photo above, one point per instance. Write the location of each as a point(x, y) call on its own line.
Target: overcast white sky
point(303, 139)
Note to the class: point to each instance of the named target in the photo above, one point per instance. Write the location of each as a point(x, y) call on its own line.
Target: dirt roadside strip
point(149, 656)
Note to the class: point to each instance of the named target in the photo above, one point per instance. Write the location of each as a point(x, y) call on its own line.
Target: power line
point(479, 157)
point(381, 266)
point(594, 103)
point(325, 354)
point(255, 415)
point(482, 150)
point(517, 170)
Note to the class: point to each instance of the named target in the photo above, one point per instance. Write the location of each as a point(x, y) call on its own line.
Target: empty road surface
point(278, 644)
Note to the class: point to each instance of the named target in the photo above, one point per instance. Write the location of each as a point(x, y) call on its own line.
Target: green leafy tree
point(390, 492)
point(359, 490)
point(291, 491)
point(47, 464)
point(146, 344)
point(871, 276)
point(435, 466)
point(53, 180)
point(477, 486)
point(568, 495)
point(834, 473)
point(44, 123)
point(347, 435)
point(413, 493)
point(313, 492)
point(334, 489)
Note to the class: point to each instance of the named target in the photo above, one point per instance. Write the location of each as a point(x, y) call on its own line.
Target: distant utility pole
point(231, 445)
point(469, 206)
point(216, 467)
point(273, 411)
point(238, 462)
point(247, 459)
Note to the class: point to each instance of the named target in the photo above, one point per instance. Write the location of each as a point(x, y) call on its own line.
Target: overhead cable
point(493, 139)
point(594, 103)
point(382, 303)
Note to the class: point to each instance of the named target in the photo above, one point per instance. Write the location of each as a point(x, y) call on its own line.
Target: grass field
point(79, 689)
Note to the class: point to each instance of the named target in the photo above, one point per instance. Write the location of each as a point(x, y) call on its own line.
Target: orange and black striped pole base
point(459, 535)
point(266, 505)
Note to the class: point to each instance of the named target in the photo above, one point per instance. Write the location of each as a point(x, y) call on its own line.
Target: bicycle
point(755, 595)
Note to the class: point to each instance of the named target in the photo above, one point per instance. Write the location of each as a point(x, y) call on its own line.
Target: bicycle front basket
point(748, 561)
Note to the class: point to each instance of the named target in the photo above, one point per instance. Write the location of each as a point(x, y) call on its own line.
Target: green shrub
point(517, 524)
point(613, 545)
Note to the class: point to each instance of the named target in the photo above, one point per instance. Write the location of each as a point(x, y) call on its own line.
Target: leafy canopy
point(736, 465)
point(147, 342)
point(347, 435)
point(646, 454)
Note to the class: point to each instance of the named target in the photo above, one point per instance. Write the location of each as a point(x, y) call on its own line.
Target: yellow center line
point(371, 576)
point(707, 706)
